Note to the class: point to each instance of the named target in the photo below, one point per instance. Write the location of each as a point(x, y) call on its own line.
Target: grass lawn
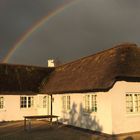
point(42, 131)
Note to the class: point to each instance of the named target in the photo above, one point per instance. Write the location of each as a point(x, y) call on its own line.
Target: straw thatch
point(20, 78)
point(97, 72)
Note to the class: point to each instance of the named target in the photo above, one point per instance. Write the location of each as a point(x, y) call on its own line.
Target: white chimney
point(51, 63)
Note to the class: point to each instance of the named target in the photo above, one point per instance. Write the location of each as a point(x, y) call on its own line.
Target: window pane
point(30, 102)
point(26, 102)
point(138, 102)
point(23, 102)
point(68, 102)
point(1, 102)
point(87, 103)
point(93, 103)
point(44, 101)
point(129, 103)
point(64, 102)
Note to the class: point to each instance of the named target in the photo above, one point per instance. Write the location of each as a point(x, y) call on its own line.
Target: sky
point(77, 29)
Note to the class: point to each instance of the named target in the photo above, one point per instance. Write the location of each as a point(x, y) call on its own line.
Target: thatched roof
point(97, 72)
point(21, 79)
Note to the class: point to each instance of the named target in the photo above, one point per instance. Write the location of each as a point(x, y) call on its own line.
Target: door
point(43, 105)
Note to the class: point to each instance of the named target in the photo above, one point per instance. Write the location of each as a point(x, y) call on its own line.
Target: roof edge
point(118, 78)
point(121, 45)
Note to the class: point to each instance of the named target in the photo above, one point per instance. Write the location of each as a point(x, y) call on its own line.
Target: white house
point(19, 91)
point(100, 92)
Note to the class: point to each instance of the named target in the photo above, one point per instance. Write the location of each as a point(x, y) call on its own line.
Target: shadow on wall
point(81, 118)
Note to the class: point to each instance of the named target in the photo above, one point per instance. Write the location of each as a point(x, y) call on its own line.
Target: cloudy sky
point(83, 28)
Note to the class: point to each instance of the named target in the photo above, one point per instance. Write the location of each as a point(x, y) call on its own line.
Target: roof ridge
point(100, 52)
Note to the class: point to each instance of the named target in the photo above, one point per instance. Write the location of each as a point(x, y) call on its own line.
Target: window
point(90, 102)
point(132, 103)
point(87, 103)
point(26, 102)
point(66, 102)
point(44, 101)
point(93, 103)
point(1, 102)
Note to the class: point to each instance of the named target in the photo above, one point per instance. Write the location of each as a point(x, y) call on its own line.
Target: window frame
point(66, 102)
point(29, 103)
point(45, 102)
point(1, 102)
point(90, 103)
point(132, 103)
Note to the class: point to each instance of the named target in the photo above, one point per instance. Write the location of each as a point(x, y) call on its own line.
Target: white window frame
point(90, 103)
point(1, 102)
point(29, 102)
point(45, 101)
point(132, 104)
point(66, 102)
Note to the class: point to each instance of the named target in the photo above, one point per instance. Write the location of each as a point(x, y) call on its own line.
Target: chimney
point(51, 63)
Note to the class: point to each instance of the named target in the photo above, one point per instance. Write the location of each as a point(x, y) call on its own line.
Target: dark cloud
point(17, 16)
point(82, 29)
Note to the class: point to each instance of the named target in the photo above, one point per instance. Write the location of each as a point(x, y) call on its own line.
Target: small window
point(137, 102)
point(44, 101)
point(26, 102)
point(23, 102)
point(87, 103)
point(129, 103)
point(66, 102)
point(93, 103)
point(1, 102)
point(132, 103)
point(90, 103)
point(30, 102)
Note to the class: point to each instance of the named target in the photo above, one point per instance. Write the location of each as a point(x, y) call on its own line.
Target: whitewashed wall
point(124, 122)
point(100, 121)
point(111, 116)
point(12, 110)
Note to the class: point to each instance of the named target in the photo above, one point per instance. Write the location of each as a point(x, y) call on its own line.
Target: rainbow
point(36, 26)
